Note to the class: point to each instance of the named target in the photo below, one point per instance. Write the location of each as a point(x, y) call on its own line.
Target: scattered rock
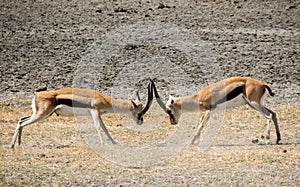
point(255, 141)
point(42, 155)
point(121, 9)
point(162, 6)
point(290, 7)
point(131, 47)
point(99, 10)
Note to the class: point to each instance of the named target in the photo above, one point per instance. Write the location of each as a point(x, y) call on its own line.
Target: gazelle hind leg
point(204, 119)
point(274, 119)
point(23, 119)
point(268, 114)
point(268, 128)
point(24, 122)
point(20, 135)
point(18, 132)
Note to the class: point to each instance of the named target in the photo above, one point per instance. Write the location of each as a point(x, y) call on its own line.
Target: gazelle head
point(172, 108)
point(137, 109)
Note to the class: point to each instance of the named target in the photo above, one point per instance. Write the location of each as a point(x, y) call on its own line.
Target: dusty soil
point(64, 43)
point(43, 42)
point(55, 153)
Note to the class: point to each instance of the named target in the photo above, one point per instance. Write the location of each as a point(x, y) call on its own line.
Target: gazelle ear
point(134, 104)
point(171, 98)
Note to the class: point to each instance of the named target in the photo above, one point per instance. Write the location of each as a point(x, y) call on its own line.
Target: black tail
point(269, 90)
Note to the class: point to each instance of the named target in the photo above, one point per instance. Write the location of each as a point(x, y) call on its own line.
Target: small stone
point(42, 155)
point(255, 141)
point(161, 6)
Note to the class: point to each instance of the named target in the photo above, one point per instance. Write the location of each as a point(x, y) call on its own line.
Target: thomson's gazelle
point(230, 92)
point(80, 102)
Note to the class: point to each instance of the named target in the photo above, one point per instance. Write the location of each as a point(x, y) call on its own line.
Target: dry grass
point(54, 153)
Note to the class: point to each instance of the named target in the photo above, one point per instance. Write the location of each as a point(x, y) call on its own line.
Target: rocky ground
point(46, 43)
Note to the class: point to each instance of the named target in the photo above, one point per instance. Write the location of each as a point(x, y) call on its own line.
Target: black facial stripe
point(172, 117)
point(140, 116)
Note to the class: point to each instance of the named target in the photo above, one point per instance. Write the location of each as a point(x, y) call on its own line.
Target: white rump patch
point(263, 98)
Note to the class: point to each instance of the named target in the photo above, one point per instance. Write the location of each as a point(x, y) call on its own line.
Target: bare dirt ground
point(45, 42)
point(55, 153)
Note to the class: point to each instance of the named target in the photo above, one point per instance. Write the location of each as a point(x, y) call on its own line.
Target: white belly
point(65, 110)
point(235, 102)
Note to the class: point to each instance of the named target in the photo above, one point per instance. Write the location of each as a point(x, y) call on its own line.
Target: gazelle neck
point(188, 103)
point(120, 106)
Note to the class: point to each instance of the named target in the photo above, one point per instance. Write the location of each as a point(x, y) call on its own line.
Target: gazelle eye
point(169, 111)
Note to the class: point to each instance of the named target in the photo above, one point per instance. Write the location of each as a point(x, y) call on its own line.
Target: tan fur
point(253, 90)
point(93, 98)
point(234, 91)
point(89, 102)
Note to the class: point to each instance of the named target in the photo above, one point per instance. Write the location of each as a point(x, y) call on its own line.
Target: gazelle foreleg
point(98, 122)
point(203, 121)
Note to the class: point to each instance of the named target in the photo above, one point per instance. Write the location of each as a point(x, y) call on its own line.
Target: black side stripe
point(231, 95)
point(72, 103)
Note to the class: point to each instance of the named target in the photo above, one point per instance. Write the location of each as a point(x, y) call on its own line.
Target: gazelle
point(230, 92)
point(80, 102)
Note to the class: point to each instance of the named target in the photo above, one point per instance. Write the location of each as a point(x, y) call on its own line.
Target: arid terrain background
point(47, 42)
